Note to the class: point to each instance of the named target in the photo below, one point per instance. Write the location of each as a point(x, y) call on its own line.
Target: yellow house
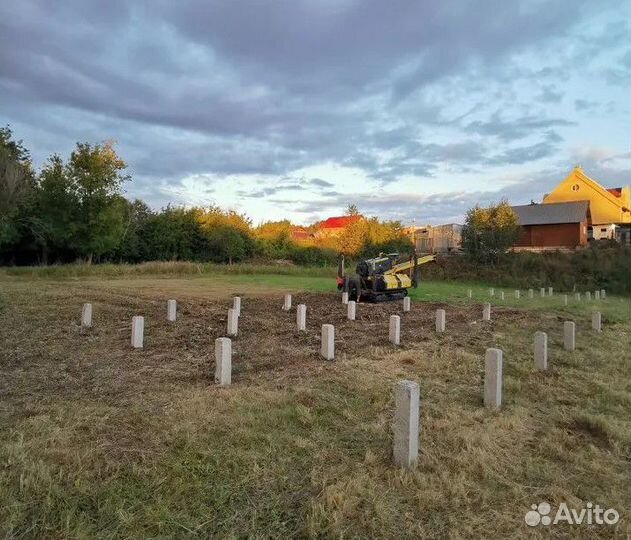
point(610, 209)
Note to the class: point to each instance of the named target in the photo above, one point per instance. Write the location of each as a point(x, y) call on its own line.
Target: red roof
point(615, 191)
point(339, 222)
point(298, 233)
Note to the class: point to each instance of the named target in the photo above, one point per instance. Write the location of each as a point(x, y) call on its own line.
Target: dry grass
point(99, 441)
point(164, 268)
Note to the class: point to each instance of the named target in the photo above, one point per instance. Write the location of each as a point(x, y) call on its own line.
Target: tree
point(276, 232)
point(174, 234)
point(16, 186)
point(95, 174)
point(133, 246)
point(275, 239)
point(228, 234)
point(227, 244)
point(489, 232)
point(353, 238)
point(15, 149)
point(351, 210)
point(386, 237)
point(54, 217)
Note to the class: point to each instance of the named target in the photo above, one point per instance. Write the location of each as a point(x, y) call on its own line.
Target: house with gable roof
point(609, 208)
point(335, 226)
point(578, 211)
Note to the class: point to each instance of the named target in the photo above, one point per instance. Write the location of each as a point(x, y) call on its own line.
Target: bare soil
point(57, 356)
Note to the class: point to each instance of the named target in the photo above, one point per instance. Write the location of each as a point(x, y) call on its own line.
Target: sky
point(414, 110)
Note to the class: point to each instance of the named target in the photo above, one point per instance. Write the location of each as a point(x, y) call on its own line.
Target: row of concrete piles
point(327, 349)
point(546, 293)
point(407, 393)
point(138, 322)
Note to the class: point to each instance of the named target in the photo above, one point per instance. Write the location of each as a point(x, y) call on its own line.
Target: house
point(436, 238)
point(335, 226)
point(300, 234)
point(553, 226)
point(610, 208)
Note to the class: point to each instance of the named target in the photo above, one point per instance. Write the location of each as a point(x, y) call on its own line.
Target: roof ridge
point(552, 213)
point(597, 186)
point(582, 201)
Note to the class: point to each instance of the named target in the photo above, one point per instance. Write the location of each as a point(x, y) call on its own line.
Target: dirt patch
point(591, 430)
point(48, 353)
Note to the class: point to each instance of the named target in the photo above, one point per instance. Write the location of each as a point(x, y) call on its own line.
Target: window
point(576, 187)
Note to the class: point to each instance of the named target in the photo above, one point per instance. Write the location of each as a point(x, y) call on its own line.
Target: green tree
point(174, 234)
point(275, 239)
point(228, 234)
point(134, 246)
point(16, 187)
point(489, 232)
point(54, 217)
point(227, 244)
point(15, 149)
point(277, 232)
point(353, 238)
point(96, 176)
point(386, 237)
point(351, 210)
point(214, 216)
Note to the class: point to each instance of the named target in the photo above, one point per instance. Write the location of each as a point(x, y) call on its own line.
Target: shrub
point(599, 266)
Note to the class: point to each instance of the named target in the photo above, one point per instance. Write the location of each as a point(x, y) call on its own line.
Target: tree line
point(74, 209)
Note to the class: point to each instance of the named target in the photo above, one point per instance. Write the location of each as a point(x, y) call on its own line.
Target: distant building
point(436, 238)
point(553, 226)
point(609, 209)
point(578, 211)
point(300, 234)
point(335, 226)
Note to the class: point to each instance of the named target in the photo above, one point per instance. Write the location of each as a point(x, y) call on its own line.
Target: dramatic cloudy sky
point(412, 109)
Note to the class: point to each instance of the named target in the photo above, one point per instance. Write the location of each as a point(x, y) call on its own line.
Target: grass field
point(101, 441)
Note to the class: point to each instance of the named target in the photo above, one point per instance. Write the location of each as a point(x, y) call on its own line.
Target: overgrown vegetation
point(602, 265)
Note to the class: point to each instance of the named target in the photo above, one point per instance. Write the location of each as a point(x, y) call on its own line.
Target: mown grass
point(615, 308)
point(305, 453)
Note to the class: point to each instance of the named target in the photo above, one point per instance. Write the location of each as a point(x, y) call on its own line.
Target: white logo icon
point(539, 514)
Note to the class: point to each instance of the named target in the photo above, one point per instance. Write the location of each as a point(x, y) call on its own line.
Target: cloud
point(451, 206)
point(619, 73)
point(584, 104)
point(272, 190)
point(514, 129)
point(318, 182)
point(549, 94)
point(524, 154)
point(260, 92)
